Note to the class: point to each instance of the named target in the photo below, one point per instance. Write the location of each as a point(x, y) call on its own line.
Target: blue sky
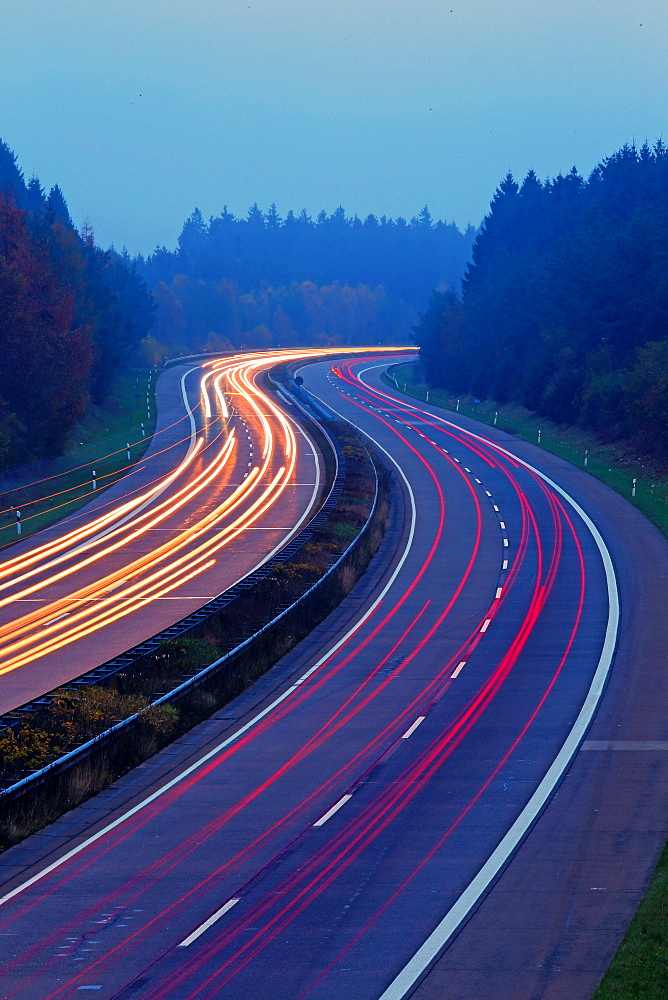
point(142, 109)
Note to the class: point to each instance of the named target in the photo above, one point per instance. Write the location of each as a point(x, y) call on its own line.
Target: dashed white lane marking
point(495, 508)
point(505, 564)
point(498, 592)
point(407, 978)
point(502, 524)
point(208, 923)
point(488, 493)
point(505, 543)
point(409, 732)
point(335, 808)
point(458, 669)
point(485, 625)
point(478, 481)
point(466, 470)
point(67, 613)
point(456, 460)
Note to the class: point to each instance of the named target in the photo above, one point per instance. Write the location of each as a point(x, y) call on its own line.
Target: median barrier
point(40, 796)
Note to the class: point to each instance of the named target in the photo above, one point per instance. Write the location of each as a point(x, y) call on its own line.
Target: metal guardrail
point(100, 673)
point(135, 653)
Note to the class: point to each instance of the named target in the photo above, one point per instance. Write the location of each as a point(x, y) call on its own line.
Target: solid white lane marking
point(330, 812)
point(485, 625)
point(208, 923)
point(265, 711)
point(458, 669)
point(403, 984)
point(409, 732)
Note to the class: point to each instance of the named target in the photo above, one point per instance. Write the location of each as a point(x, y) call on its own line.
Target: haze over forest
point(558, 302)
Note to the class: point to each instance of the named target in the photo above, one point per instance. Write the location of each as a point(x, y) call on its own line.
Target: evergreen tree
point(11, 176)
point(35, 199)
point(56, 208)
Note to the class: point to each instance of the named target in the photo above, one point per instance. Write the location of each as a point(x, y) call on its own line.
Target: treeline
point(267, 281)
point(565, 301)
point(71, 315)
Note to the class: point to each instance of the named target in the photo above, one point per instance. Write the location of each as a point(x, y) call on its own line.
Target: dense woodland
point(564, 305)
point(71, 315)
point(264, 281)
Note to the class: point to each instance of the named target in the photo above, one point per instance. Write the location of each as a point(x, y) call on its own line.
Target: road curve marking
point(335, 808)
point(409, 732)
point(437, 940)
point(208, 923)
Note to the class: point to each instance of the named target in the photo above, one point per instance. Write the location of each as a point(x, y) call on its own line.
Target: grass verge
point(48, 491)
point(615, 464)
point(639, 970)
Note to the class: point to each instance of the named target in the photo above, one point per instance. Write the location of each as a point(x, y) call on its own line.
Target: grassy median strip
point(639, 970)
point(50, 490)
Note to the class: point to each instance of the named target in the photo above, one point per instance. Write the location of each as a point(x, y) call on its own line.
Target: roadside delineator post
point(633, 488)
point(18, 522)
point(94, 480)
point(586, 457)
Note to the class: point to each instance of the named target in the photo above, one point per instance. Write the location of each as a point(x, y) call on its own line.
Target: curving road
point(226, 481)
point(358, 813)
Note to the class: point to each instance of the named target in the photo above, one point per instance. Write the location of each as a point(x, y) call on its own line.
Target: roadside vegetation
point(72, 316)
point(564, 306)
point(46, 491)
point(615, 463)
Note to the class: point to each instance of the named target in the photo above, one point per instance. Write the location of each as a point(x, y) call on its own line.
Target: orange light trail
point(102, 587)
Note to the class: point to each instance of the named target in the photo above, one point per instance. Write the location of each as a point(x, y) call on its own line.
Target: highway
point(226, 481)
point(360, 811)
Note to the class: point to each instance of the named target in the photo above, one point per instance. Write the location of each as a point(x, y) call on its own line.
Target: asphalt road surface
point(225, 482)
point(455, 787)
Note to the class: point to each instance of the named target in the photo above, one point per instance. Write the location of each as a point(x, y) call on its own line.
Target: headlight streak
point(87, 465)
point(223, 537)
point(78, 551)
point(75, 537)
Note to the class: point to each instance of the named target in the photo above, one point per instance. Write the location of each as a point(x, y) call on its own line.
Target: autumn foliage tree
point(72, 317)
point(45, 355)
